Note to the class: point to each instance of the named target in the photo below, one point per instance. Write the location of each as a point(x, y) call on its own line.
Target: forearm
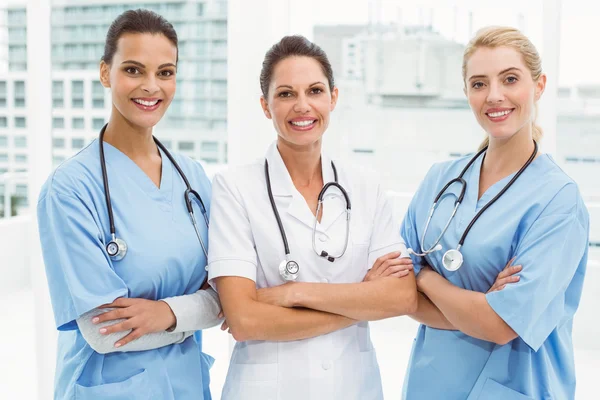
point(261, 321)
point(428, 314)
point(195, 311)
point(365, 301)
point(466, 310)
point(104, 344)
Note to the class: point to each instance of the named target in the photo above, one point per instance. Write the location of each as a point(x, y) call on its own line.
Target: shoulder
point(74, 176)
point(239, 177)
point(559, 191)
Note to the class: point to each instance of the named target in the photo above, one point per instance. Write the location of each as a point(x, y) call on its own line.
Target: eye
point(132, 71)
point(167, 73)
point(477, 85)
point(316, 90)
point(511, 79)
point(284, 94)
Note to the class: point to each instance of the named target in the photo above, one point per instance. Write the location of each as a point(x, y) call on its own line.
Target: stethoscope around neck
point(453, 258)
point(117, 247)
point(289, 268)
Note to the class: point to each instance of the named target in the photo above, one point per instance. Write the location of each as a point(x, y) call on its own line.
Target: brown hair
point(136, 21)
point(293, 46)
point(497, 36)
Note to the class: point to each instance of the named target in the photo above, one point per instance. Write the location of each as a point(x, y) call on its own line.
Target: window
point(20, 122)
point(58, 123)
point(78, 123)
point(56, 160)
point(186, 146)
point(77, 143)
point(97, 123)
point(167, 144)
point(20, 142)
point(19, 94)
point(3, 157)
point(2, 93)
point(77, 94)
point(58, 143)
point(97, 95)
point(21, 189)
point(210, 146)
point(21, 158)
point(3, 122)
point(58, 94)
point(3, 141)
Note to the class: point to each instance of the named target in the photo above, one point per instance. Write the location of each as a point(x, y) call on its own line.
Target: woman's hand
point(507, 275)
point(389, 265)
point(141, 316)
point(282, 295)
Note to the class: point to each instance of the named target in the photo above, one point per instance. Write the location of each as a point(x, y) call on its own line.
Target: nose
point(495, 94)
point(150, 84)
point(302, 105)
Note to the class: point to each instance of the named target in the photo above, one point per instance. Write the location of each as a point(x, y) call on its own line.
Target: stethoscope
point(453, 258)
point(117, 248)
point(289, 268)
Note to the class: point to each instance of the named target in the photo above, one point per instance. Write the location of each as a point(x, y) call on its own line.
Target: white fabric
point(195, 311)
point(105, 344)
point(245, 241)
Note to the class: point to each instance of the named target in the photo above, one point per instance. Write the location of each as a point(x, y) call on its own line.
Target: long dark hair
point(136, 21)
point(293, 46)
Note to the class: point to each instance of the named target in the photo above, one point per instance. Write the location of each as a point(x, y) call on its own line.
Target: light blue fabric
point(164, 259)
point(541, 220)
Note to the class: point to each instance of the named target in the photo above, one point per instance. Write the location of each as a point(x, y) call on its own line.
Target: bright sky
point(579, 58)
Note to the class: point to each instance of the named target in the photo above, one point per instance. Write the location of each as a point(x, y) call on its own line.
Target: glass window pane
point(20, 141)
point(3, 122)
point(77, 143)
point(97, 123)
point(20, 122)
point(58, 122)
point(78, 123)
point(3, 141)
point(186, 146)
point(21, 158)
point(58, 143)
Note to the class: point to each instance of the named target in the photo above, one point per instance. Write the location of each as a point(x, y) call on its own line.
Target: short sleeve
point(551, 252)
point(386, 235)
point(232, 250)
point(79, 271)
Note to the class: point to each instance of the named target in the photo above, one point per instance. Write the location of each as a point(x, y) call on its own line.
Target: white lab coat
point(245, 241)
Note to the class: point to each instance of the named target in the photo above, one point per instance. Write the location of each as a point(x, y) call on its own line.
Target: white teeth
point(146, 103)
point(499, 114)
point(303, 123)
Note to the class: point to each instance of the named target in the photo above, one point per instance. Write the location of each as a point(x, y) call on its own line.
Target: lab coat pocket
point(493, 390)
point(251, 381)
point(136, 387)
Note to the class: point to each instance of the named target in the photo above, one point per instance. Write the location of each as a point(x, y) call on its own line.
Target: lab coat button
point(326, 365)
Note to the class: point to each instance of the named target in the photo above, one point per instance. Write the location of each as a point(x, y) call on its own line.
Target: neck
point(302, 163)
point(503, 157)
point(134, 141)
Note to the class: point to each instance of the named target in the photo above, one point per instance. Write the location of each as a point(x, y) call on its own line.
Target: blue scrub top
point(542, 221)
point(164, 259)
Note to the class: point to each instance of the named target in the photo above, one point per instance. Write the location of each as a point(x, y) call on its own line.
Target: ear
point(540, 86)
point(105, 74)
point(265, 107)
point(334, 98)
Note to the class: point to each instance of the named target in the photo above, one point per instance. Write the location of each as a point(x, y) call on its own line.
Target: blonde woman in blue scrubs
point(485, 335)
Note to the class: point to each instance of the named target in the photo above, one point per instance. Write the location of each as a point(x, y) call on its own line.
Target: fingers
point(120, 327)
point(120, 302)
point(401, 273)
point(380, 262)
point(501, 283)
point(133, 335)
point(510, 262)
point(119, 313)
point(396, 265)
point(509, 270)
point(224, 326)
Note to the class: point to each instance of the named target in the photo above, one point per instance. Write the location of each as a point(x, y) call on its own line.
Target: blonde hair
point(497, 36)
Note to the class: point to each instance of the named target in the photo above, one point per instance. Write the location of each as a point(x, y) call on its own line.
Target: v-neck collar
point(125, 166)
point(282, 185)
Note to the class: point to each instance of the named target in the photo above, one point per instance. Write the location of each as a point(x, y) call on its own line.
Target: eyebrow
point(289, 87)
point(139, 64)
point(501, 72)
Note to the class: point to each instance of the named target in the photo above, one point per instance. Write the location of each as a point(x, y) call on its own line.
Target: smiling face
point(501, 91)
point(141, 77)
point(299, 101)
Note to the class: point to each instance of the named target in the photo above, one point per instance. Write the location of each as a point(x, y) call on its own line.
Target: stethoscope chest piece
point(116, 249)
point(453, 260)
point(288, 270)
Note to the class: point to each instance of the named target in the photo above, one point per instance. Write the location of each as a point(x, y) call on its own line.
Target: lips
point(499, 115)
point(146, 104)
point(303, 124)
